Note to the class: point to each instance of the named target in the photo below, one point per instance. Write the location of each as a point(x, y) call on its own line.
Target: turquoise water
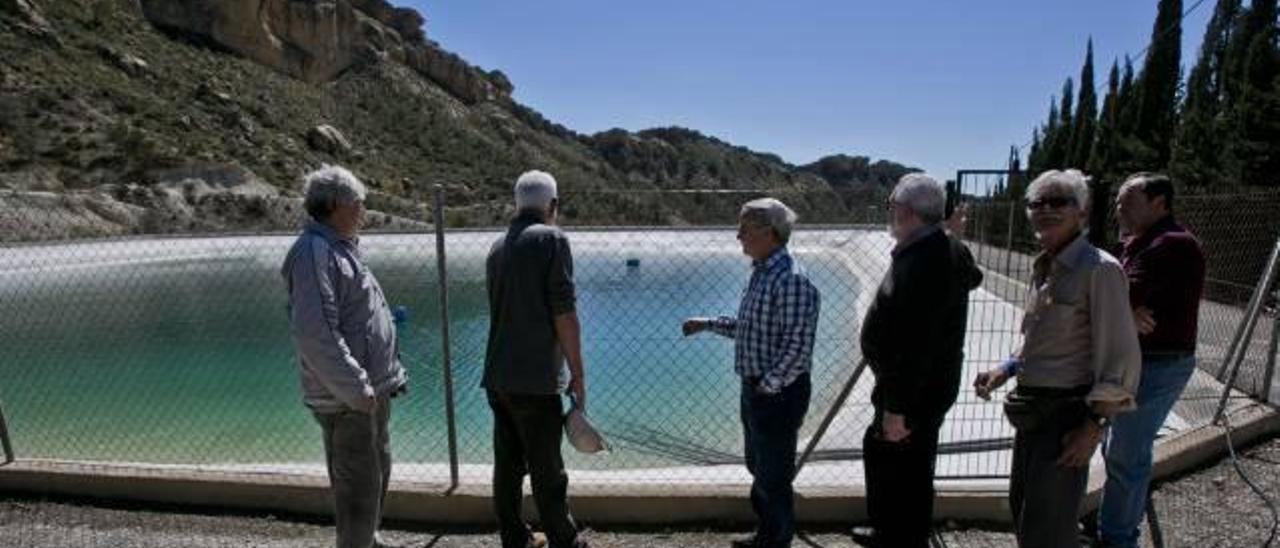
point(176, 350)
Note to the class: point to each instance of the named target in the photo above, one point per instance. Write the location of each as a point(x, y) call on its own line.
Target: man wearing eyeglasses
point(348, 359)
point(773, 336)
point(1078, 367)
point(913, 340)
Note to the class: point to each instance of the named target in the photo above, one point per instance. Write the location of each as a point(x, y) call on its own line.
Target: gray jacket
point(340, 323)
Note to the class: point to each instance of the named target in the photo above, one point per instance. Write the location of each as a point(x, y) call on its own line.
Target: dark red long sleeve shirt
point(1166, 270)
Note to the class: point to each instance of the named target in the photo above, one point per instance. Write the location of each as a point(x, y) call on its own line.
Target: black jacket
point(529, 278)
point(913, 335)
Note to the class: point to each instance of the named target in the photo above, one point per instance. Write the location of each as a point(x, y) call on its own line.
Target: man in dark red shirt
point(1165, 266)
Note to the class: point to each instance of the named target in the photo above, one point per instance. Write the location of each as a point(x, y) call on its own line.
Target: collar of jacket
point(329, 234)
point(1068, 257)
point(773, 260)
point(1161, 227)
point(914, 238)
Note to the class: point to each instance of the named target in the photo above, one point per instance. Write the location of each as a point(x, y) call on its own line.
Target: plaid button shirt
point(776, 323)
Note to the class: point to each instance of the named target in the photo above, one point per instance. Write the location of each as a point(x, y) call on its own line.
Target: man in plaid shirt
point(773, 336)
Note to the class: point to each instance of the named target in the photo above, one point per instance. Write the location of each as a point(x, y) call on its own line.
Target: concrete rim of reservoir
point(594, 503)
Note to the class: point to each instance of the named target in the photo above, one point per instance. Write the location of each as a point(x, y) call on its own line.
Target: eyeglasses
point(1051, 202)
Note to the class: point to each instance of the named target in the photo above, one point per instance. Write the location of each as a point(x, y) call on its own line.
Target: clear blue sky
point(940, 85)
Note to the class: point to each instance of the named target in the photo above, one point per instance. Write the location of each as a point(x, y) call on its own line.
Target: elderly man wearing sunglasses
point(1078, 366)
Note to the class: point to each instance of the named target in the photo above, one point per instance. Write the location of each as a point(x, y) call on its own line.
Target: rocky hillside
point(154, 116)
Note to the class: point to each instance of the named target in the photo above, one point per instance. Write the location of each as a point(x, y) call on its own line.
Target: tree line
point(1218, 130)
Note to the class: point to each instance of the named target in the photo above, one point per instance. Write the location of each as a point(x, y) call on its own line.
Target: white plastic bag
point(582, 435)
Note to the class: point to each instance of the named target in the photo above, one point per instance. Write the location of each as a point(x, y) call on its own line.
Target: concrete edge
point(1188, 450)
point(428, 502)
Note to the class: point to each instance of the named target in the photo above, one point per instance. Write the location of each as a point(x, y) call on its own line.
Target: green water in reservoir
point(177, 351)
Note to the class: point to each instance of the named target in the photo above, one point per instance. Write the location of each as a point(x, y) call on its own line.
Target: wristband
point(1102, 421)
point(1010, 366)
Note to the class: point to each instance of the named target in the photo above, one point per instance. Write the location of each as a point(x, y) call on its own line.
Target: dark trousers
point(526, 439)
point(357, 450)
point(899, 480)
point(771, 425)
point(1045, 497)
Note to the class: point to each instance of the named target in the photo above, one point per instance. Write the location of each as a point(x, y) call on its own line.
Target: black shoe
point(863, 536)
point(579, 543)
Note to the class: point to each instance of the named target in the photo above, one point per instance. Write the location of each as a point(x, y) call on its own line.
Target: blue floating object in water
point(633, 263)
point(400, 314)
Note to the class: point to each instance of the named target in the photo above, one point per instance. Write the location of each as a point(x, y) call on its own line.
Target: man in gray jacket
point(348, 360)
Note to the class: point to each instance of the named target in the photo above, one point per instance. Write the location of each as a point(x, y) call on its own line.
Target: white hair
point(923, 195)
point(535, 190)
point(1072, 180)
point(772, 213)
point(329, 186)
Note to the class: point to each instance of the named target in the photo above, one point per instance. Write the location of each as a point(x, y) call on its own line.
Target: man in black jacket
point(913, 339)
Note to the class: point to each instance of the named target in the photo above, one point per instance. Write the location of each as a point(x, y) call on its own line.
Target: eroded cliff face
point(316, 40)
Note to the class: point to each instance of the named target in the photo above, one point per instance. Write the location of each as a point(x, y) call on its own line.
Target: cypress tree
point(1257, 114)
point(1126, 104)
point(1059, 147)
point(1045, 140)
point(1035, 153)
point(1103, 152)
point(1158, 83)
point(1129, 152)
point(1247, 25)
point(1200, 140)
point(1086, 115)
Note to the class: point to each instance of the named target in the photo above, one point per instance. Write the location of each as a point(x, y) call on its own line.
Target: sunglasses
point(1051, 202)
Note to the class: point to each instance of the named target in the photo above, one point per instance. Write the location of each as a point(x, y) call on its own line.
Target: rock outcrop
point(196, 199)
point(28, 14)
point(316, 40)
point(327, 138)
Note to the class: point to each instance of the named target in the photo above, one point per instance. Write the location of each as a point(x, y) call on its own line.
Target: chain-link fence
point(126, 345)
point(1237, 232)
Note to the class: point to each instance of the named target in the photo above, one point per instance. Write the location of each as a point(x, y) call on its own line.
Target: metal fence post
point(1008, 239)
point(1270, 372)
point(1153, 523)
point(1256, 300)
point(446, 365)
point(4, 440)
point(831, 416)
point(1248, 323)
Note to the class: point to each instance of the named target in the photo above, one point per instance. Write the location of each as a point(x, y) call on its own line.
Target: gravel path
point(1208, 508)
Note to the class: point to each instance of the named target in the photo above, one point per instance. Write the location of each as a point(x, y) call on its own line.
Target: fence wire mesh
point(1237, 233)
point(133, 345)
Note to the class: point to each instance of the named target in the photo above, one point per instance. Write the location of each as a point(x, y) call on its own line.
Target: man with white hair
point(913, 340)
point(533, 331)
point(1078, 366)
point(348, 359)
point(773, 335)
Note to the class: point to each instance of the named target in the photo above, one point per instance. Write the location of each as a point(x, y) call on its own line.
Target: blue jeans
point(771, 425)
point(1128, 448)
